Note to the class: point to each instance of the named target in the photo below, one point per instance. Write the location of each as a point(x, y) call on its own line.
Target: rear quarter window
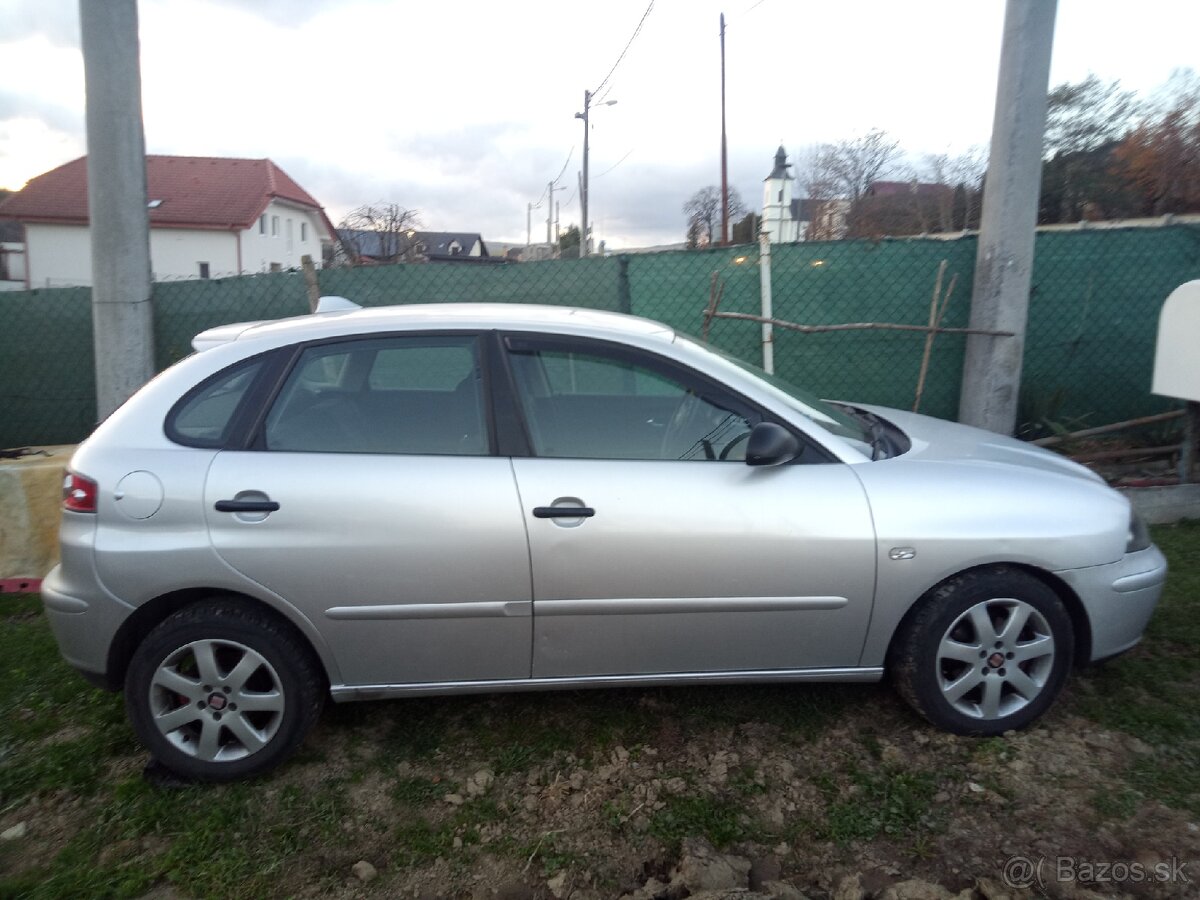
point(204, 416)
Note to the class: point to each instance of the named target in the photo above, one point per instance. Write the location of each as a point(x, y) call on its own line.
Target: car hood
point(937, 439)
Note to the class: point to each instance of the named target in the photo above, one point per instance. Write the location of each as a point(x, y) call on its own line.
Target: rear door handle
point(238, 506)
point(563, 512)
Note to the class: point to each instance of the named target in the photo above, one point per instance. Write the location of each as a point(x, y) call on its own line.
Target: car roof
point(344, 317)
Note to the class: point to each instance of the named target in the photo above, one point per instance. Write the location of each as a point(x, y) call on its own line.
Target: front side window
point(411, 395)
point(593, 403)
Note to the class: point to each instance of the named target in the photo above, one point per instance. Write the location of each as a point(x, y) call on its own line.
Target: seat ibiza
point(374, 503)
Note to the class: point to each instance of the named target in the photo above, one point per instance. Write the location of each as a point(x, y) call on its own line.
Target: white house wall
point(177, 253)
point(61, 255)
point(58, 255)
point(260, 251)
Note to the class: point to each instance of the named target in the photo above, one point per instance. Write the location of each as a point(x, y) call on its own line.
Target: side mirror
point(771, 445)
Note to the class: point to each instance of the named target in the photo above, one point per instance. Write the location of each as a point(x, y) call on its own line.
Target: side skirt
point(342, 693)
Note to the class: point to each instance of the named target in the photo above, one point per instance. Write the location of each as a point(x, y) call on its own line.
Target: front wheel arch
point(925, 662)
point(1080, 623)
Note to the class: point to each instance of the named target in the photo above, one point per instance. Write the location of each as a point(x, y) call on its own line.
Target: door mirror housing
point(771, 445)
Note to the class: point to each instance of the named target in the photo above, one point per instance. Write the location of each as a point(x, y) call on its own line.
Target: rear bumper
point(84, 629)
point(1119, 599)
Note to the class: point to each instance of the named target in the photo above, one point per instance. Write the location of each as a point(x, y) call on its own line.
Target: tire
point(984, 653)
point(221, 691)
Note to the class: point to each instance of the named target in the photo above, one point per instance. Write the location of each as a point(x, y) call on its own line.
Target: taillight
point(79, 493)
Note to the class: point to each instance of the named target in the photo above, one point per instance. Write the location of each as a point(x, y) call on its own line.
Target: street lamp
point(583, 190)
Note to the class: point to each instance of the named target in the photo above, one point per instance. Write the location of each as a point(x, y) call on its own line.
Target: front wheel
point(985, 653)
point(221, 691)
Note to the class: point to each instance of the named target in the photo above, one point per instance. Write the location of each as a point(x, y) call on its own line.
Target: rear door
point(371, 500)
point(655, 548)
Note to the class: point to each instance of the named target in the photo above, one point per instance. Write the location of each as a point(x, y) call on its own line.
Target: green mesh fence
point(1089, 351)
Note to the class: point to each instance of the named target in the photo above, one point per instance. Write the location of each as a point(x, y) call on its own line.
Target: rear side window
point(419, 394)
point(206, 414)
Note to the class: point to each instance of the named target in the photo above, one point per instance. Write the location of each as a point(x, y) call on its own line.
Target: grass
point(888, 802)
point(70, 765)
point(721, 819)
point(1153, 693)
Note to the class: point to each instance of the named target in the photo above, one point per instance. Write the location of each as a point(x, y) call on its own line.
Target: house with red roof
point(209, 217)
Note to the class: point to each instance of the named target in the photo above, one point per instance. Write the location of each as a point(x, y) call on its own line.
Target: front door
point(655, 548)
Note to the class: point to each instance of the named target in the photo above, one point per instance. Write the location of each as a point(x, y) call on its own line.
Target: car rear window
point(411, 395)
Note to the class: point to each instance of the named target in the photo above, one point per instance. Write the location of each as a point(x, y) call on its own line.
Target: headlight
point(1139, 534)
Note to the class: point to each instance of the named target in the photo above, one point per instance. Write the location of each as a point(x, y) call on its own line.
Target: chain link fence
point(1089, 349)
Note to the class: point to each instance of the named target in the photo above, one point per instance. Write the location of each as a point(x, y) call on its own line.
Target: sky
point(465, 111)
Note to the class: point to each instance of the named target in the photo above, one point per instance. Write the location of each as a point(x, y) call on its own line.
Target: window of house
point(416, 394)
point(262, 224)
point(203, 269)
point(274, 226)
point(276, 267)
point(303, 232)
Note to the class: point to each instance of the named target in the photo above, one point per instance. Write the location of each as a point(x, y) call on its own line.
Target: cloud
point(287, 13)
point(57, 117)
point(57, 22)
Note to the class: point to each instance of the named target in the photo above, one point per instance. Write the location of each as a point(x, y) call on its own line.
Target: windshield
point(828, 416)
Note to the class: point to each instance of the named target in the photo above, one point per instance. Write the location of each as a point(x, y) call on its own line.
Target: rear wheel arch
point(150, 614)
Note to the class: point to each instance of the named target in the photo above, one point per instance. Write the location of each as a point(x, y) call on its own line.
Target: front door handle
point(563, 512)
point(241, 506)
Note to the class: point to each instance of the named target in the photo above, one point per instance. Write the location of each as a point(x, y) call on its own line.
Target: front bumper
point(1119, 599)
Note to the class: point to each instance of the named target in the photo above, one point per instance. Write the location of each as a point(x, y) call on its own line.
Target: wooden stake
point(857, 326)
point(310, 280)
point(933, 317)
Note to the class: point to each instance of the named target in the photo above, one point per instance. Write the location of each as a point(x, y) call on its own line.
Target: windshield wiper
point(881, 444)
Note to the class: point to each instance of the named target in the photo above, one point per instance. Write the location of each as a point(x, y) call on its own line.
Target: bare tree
point(1086, 115)
point(958, 207)
point(703, 210)
point(1160, 158)
point(385, 233)
point(846, 169)
point(1084, 121)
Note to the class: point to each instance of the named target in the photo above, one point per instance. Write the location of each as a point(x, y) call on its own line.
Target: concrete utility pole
point(583, 193)
point(122, 319)
point(1004, 261)
point(724, 153)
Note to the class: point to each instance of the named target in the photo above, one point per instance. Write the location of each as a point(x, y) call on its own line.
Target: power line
point(636, 32)
point(564, 168)
point(614, 165)
point(556, 178)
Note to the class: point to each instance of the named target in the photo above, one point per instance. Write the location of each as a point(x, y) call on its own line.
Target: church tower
point(777, 218)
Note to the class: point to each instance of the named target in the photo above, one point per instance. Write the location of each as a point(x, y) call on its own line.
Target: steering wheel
point(680, 427)
point(741, 438)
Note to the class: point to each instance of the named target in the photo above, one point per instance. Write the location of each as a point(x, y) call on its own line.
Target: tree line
point(1107, 155)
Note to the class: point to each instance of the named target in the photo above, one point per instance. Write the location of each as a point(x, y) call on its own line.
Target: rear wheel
point(986, 652)
point(221, 691)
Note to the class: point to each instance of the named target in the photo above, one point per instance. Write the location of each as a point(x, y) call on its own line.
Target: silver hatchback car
point(464, 498)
